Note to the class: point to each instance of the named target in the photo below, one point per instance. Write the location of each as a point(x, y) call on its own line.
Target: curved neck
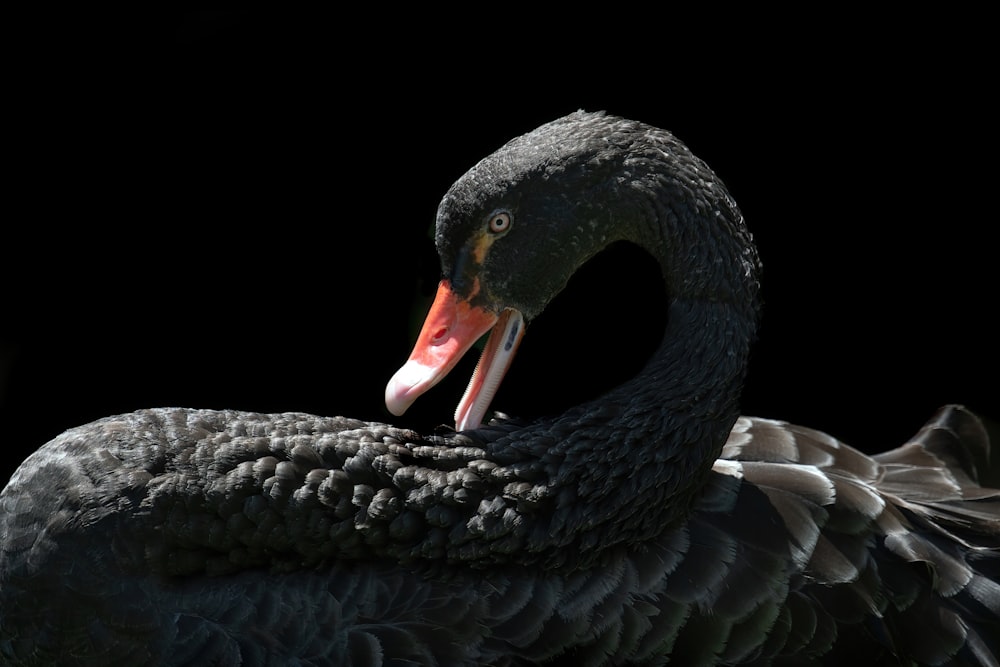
point(626, 465)
point(568, 489)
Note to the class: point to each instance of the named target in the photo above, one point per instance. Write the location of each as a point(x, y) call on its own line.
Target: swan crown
point(576, 185)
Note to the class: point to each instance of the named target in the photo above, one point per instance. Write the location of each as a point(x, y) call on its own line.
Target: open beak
point(451, 328)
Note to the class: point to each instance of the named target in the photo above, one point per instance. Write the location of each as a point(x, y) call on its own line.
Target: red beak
point(452, 326)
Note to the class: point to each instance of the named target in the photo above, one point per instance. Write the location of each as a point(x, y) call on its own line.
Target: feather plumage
point(648, 525)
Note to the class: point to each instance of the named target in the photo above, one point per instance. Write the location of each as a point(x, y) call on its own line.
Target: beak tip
point(404, 387)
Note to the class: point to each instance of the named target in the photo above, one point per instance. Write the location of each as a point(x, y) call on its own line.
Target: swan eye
point(499, 222)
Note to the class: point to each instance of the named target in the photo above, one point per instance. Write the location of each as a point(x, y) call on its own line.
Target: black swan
point(651, 524)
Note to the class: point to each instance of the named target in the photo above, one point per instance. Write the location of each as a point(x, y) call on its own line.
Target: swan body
point(651, 524)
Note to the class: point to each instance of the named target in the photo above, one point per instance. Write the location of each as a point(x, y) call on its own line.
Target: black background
point(232, 209)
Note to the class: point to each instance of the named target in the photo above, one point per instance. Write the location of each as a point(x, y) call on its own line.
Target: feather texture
point(651, 525)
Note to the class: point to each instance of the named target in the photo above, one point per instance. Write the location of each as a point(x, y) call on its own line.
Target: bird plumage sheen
point(647, 525)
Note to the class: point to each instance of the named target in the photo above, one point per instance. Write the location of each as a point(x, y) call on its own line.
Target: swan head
point(512, 231)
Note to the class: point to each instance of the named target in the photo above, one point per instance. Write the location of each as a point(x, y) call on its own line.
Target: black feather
point(651, 524)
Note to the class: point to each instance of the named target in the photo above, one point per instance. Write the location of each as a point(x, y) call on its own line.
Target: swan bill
point(451, 328)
